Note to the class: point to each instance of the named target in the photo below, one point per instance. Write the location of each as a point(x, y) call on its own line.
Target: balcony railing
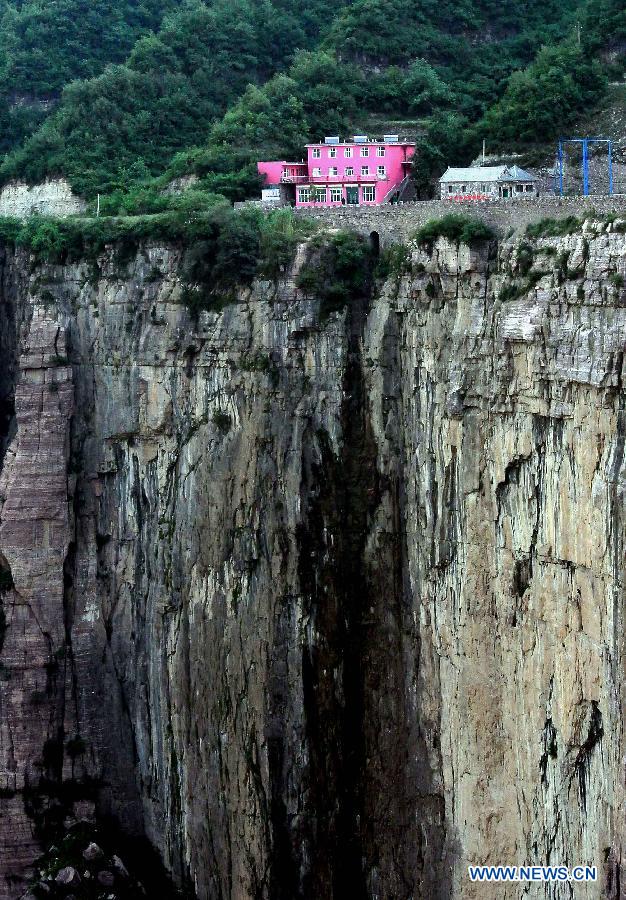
point(332, 179)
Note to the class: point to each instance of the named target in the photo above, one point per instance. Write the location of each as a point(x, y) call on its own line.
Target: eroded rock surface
point(324, 606)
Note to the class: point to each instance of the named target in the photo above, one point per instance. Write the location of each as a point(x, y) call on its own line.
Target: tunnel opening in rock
point(375, 244)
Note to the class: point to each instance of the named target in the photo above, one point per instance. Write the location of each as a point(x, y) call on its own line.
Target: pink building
point(358, 172)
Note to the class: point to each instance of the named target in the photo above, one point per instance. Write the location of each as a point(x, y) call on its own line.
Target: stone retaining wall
point(393, 222)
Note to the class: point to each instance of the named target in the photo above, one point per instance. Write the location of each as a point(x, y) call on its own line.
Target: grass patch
point(456, 228)
point(554, 227)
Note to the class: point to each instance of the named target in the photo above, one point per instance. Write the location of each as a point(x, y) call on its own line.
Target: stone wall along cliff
point(324, 605)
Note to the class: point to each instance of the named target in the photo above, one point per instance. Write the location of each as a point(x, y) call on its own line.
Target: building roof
point(487, 174)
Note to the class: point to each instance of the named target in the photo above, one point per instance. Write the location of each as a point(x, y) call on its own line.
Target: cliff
point(322, 604)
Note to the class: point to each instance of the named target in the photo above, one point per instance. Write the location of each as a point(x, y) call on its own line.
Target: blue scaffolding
point(585, 148)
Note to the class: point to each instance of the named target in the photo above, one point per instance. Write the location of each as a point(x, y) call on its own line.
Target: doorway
point(352, 195)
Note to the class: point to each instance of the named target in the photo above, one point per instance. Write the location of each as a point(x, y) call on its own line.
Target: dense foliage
point(547, 96)
point(122, 96)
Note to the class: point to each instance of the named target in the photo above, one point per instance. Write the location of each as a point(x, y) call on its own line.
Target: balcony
point(293, 179)
point(346, 179)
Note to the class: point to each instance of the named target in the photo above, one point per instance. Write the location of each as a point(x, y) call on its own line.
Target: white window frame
point(347, 152)
point(519, 188)
point(317, 153)
point(304, 195)
point(365, 170)
point(332, 171)
point(332, 152)
point(370, 190)
point(318, 195)
point(365, 151)
point(450, 188)
point(380, 151)
point(336, 194)
point(349, 171)
point(381, 171)
point(317, 172)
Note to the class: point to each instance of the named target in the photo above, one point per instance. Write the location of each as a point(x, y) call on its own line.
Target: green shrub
point(280, 233)
point(394, 260)
point(340, 272)
point(525, 257)
point(457, 228)
point(617, 280)
point(554, 227)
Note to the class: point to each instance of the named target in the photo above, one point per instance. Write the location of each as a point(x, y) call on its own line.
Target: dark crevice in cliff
point(8, 366)
point(582, 764)
point(341, 494)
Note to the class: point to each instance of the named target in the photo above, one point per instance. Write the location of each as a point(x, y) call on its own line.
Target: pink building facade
point(359, 172)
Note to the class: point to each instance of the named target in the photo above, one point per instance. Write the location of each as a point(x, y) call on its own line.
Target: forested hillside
point(120, 96)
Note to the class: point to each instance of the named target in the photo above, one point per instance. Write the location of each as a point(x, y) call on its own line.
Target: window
point(365, 151)
point(365, 170)
point(319, 195)
point(347, 152)
point(518, 188)
point(335, 195)
point(483, 189)
point(332, 170)
point(332, 153)
point(317, 172)
point(382, 171)
point(450, 188)
point(369, 193)
point(529, 187)
point(464, 189)
point(349, 170)
point(304, 195)
point(316, 153)
point(380, 151)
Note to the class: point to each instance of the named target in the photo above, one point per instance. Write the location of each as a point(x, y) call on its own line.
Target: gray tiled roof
point(487, 174)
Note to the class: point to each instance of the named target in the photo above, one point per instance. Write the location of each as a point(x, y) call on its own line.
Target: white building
point(487, 183)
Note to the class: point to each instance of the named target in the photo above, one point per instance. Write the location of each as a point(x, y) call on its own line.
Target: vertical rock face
point(325, 607)
point(35, 536)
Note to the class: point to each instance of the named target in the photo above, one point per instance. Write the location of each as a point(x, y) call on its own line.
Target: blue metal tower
point(585, 149)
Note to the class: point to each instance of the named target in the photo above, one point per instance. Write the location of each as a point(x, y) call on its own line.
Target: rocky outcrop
point(323, 605)
point(50, 198)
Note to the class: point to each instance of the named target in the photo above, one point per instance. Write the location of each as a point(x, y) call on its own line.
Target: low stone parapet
point(399, 221)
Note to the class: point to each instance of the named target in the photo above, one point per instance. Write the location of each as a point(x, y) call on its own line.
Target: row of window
point(347, 152)
point(381, 171)
point(319, 194)
point(482, 188)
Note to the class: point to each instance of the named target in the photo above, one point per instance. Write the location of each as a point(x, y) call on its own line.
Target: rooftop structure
point(337, 173)
point(487, 183)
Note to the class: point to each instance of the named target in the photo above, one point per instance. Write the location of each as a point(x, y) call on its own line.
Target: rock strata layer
point(324, 606)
